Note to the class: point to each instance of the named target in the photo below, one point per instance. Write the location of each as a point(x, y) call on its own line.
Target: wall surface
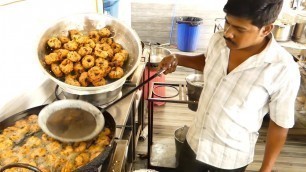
point(154, 20)
point(23, 83)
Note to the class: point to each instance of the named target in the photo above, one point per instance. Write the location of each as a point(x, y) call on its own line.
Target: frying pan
point(109, 122)
point(56, 129)
point(91, 166)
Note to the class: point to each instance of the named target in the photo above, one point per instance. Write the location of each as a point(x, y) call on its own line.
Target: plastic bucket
point(180, 137)
point(111, 7)
point(188, 32)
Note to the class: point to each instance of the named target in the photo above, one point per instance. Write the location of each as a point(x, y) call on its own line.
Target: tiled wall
point(155, 21)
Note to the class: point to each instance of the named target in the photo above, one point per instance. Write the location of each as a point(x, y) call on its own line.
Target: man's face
point(239, 33)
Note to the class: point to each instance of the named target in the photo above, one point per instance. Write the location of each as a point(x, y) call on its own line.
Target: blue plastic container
point(111, 7)
point(188, 33)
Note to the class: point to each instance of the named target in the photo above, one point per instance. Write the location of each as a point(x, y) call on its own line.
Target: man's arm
point(195, 62)
point(170, 62)
point(276, 138)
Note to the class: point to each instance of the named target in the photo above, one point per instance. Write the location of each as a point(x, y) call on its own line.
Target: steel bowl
point(121, 34)
point(156, 55)
point(195, 83)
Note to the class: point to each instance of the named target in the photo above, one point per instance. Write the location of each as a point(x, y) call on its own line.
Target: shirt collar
point(268, 54)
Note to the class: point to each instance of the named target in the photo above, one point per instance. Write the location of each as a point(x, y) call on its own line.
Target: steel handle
point(134, 89)
point(20, 165)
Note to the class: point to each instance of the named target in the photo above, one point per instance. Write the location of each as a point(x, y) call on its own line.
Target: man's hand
point(168, 63)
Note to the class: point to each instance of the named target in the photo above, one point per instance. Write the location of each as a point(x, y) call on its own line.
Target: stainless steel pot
point(123, 35)
point(195, 83)
point(282, 32)
point(156, 55)
point(299, 33)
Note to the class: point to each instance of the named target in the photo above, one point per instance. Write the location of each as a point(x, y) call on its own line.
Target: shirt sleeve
point(212, 42)
point(282, 99)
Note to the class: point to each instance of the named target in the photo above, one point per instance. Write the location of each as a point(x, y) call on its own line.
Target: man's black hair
point(260, 12)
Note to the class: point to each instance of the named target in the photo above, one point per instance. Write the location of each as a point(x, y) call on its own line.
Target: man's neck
point(252, 50)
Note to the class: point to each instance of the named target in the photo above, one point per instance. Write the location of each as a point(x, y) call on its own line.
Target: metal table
point(164, 157)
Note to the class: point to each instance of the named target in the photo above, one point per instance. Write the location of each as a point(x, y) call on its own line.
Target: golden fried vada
point(86, 50)
point(95, 74)
point(55, 68)
point(74, 56)
point(66, 66)
point(88, 61)
point(83, 79)
point(116, 72)
point(104, 32)
point(54, 43)
point(71, 45)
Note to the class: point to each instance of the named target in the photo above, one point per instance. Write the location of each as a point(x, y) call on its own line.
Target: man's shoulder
point(217, 41)
point(280, 54)
point(217, 36)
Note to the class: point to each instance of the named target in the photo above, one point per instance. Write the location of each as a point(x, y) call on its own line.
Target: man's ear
point(266, 30)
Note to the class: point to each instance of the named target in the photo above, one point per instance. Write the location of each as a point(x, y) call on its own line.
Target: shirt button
point(224, 79)
point(207, 113)
point(204, 128)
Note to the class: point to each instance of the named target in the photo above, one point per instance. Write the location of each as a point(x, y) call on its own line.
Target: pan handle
point(20, 165)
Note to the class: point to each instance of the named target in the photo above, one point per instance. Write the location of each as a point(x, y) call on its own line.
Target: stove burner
point(101, 99)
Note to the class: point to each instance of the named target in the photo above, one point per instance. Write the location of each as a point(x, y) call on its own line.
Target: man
point(247, 74)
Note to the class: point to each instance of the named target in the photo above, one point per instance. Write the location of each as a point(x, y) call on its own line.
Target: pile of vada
point(86, 60)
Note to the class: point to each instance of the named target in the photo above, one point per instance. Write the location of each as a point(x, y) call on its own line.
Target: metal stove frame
point(180, 98)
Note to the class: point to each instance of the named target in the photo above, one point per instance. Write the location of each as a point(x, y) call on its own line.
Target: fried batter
point(116, 72)
point(55, 68)
point(102, 63)
point(95, 74)
point(103, 46)
point(82, 159)
point(83, 51)
point(63, 39)
point(94, 35)
point(125, 54)
point(88, 61)
point(74, 56)
point(54, 43)
point(100, 82)
point(71, 45)
point(104, 32)
point(73, 32)
point(62, 53)
point(72, 81)
point(83, 79)
point(45, 152)
point(80, 39)
point(51, 58)
point(91, 43)
point(118, 60)
point(116, 47)
point(78, 68)
point(108, 41)
point(100, 53)
point(66, 66)
point(93, 58)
